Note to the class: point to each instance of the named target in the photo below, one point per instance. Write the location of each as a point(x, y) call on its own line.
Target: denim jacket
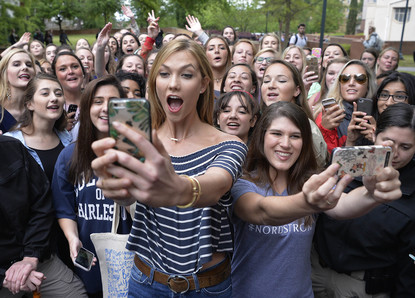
point(64, 136)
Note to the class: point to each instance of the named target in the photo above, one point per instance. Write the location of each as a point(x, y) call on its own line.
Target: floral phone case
point(361, 160)
point(134, 113)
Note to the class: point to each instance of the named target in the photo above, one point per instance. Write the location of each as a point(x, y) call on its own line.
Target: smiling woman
point(240, 77)
point(42, 129)
point(42, 125)
point(355, 80)
point(16, 69)
point(82, 210)
point(236, 113)
point(273, 217)
point(69, 70)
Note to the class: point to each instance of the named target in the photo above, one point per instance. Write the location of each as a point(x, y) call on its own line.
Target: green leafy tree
point(285, 11)
point(335, 16)
point(245, 16)
point(98, 13)
point(352, 18)
point(14, 17)
point(57, 10)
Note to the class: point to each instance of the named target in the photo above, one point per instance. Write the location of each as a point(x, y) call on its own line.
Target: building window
point(400, 14)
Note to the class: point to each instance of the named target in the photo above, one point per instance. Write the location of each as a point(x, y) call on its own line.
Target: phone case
point(134, 113)
point(312, 63)
point(328, 102)
point(361, 160)
point(72, 108)
point(316, 52)
point(365, 105)
point(84, 259)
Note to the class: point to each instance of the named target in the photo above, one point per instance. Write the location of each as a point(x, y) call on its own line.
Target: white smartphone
point(84, 259)
point(361, 160)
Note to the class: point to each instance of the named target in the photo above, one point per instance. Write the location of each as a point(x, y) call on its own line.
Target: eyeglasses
point(395, 97)
point(259, 60)
point(360, 78)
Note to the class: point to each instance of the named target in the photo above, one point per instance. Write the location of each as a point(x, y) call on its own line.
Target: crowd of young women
point(198, 226)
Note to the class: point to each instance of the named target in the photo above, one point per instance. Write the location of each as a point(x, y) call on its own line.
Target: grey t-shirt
point(270, 261)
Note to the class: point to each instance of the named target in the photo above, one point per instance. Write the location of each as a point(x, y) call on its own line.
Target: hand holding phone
point(312, 63)
point(361, 160)
point(328, 102)
point(72, 108)
point(84, 259)
point(365, 105)
point(333, 114)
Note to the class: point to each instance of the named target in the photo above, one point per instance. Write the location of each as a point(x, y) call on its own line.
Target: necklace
point(176, 140)
point(218, 80)
point(179, 140)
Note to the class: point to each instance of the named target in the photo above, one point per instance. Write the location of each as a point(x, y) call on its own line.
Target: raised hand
point(104, 35)
point(194, 25)
point(24, 39)
point(127, 12)
point(152, 18)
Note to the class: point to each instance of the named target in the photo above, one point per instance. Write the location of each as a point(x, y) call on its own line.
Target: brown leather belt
point(181, 284)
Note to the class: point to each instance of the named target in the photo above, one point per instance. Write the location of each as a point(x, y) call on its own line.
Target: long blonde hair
point(206, 99)
point(4, 80)
point(335, 90)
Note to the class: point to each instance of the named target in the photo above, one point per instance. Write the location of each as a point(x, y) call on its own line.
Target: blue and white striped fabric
point(178, 240)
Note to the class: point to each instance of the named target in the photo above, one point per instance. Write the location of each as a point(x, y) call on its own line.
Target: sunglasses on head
point(360, 78)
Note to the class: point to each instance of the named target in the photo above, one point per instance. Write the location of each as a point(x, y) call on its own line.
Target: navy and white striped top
point(180, 241)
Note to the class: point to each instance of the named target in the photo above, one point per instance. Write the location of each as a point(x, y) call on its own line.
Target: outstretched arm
point(129, 14)
point(22, 41)
point(154, 181)
point(321, 192)
point(152, 32)
point(102, 41)
point(194, 26)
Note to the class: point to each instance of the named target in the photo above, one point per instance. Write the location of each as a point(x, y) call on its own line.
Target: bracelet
point(196, 192)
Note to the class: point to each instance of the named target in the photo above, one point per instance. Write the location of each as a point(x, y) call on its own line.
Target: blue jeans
point(142, 286)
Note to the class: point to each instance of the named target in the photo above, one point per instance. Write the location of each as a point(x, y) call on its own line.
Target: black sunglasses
point(360, 78)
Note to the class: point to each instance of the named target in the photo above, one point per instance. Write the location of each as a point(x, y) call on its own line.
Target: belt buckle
point(174, 277)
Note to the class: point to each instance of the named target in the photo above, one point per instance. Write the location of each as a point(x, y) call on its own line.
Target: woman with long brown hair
point(81, 207)
point(276, 200)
